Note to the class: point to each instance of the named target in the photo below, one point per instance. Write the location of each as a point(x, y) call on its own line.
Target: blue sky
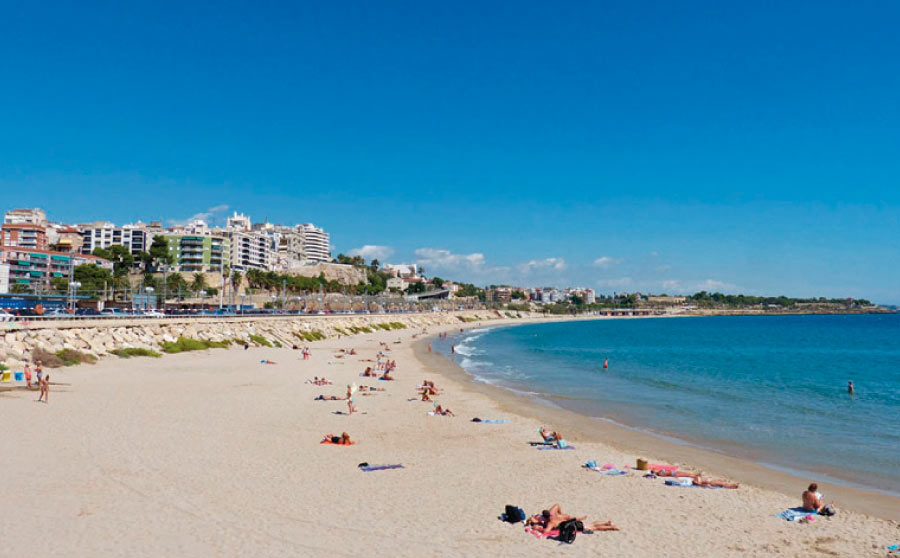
point(645, 146)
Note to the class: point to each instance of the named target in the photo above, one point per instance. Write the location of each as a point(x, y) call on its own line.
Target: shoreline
point(640, 443)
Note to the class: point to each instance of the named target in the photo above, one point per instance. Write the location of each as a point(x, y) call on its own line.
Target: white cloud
point(372, 251)
point(438, 258)
point(671, 285)
point(605, 262)
point(203, 216)
point(662, 268)
point(614, 283)
point(677, 286)
point(557, 264)
point(713, 285)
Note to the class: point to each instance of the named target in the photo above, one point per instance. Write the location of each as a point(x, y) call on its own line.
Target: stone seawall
point(98, 338)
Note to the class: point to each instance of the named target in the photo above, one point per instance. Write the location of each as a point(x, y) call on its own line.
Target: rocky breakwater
point(19, 341)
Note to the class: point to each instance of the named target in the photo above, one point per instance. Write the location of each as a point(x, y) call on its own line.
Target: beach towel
point(610, 472)
point(665, 468)
point(893, 548)
point(369, 468)
point(793, 514)
point(555, 448)
point(494, 421)
point(680, 482)
point(330, 443)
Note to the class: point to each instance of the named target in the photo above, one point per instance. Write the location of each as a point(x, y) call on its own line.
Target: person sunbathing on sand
point(370, 388)
point(549, 519)
point(550, 437)
point(812, 499)
point(369, 373)
point(708, 483)
point(443, 412)
point(387, 376)
point(425, 396)
point(329, 398)
point(342, 440)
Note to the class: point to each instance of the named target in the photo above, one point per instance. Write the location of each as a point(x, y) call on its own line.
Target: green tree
point(159, 252)
point(198, 283)
point(120, 257)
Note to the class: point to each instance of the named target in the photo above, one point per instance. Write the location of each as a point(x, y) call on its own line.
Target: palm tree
point(199, 282)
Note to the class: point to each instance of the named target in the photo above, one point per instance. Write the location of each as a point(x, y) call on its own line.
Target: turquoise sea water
point(768, 388)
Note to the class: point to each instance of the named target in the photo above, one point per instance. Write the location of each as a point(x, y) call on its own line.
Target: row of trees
point(704, 298)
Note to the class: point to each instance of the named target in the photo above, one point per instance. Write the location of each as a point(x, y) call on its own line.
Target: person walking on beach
point(850, 387)
point(39, 372)
point(28, 374)
point(44, 385)
point(350, 408)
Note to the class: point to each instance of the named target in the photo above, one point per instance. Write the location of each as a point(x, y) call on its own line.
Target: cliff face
point(98, 337)
point(344, 274)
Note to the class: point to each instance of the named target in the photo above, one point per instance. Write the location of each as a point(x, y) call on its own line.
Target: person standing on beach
point(28, 374)
point(850, 387)
point(44, 385)
point(453, 349)
point(39, 372)
point(350, 407)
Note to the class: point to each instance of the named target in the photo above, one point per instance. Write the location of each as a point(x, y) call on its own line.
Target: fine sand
point(214, 453)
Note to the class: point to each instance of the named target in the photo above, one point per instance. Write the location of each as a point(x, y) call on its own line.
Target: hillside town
point(245, 266)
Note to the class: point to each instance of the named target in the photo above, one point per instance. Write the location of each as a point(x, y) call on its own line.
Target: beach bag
point(567, 530)
point(827, 511)
point(514, 514)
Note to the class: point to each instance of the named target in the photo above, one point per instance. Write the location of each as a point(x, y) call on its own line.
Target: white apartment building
point(33, 216)
point(316, 242)
point(103, 235)
point(250, 250)
point(238, 222)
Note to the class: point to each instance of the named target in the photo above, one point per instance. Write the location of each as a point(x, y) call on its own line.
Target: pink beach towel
point(540, 535)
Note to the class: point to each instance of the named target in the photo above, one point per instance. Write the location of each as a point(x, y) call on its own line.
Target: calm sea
point(771, 388)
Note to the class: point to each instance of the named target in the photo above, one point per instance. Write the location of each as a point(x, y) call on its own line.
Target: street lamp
point(148, 291)
point(202, 301)
point(73, 291)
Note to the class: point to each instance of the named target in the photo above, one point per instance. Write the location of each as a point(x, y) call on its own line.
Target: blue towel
point(793, 514)
point(608, 472)
point(676, 482)
point(380, 467)
point(494, 421)
point(555, 448)
point(893, 547)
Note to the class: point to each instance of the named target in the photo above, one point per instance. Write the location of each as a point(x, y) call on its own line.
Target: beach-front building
point(32, 269)
point(24, 235)
point(316, 243)
point(136, 238)
point(198, 252)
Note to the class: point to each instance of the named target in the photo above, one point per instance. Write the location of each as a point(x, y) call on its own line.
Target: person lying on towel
point(549, 519)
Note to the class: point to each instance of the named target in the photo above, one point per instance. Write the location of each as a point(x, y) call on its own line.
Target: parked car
point(6, 316)
point(153, 314)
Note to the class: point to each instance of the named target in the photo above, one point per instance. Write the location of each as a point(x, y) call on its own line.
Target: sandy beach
point(216, 453)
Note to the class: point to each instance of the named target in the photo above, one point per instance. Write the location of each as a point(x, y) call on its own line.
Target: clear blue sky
point(683, 145)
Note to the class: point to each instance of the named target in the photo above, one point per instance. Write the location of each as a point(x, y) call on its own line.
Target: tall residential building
point(250, 250)
point(24, 235)
point(317, 243)
point(198, 253)
point(33, 269)
point(103, 235)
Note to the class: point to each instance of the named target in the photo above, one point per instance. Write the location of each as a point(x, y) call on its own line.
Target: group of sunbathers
point(549, 519)
point(317, 381)
point(697, 479)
